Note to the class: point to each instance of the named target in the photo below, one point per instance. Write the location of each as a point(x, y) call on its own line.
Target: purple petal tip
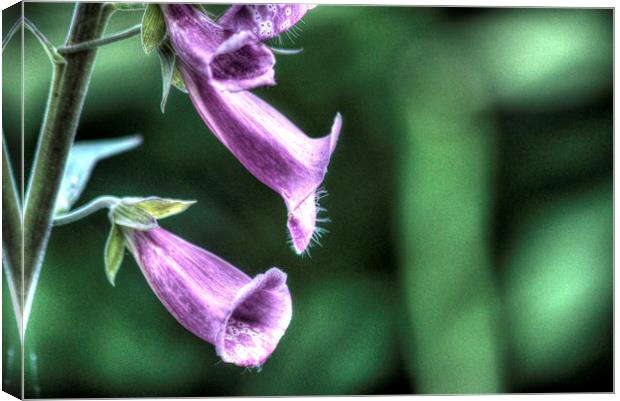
point(302, 217)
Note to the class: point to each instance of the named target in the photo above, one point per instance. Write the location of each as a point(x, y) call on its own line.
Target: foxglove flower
point(272, 148)
point(265, 21)
point(229, 61)
point(243, 317)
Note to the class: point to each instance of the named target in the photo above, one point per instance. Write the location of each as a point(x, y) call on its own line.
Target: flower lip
point(265, 21)
point(229, 62)
point(253, 326)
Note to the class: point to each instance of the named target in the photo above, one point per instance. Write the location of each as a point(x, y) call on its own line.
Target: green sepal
point(153, 30)
point(161, 208)
point(114, 253)
point(177, 80)
point(167, 61)
point(132, 216)
point(129, 6)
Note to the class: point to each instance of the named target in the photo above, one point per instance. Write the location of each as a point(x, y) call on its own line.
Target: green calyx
point(136, 214)
point(114, 252)
point(153, 28)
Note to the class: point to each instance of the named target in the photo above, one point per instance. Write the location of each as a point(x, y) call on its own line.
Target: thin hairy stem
point(103, 202)
point(92, 44)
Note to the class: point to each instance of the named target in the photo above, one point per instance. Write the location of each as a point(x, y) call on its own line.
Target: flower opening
point(243, 317)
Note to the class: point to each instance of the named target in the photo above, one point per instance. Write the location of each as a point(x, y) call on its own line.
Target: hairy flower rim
point(241, 320)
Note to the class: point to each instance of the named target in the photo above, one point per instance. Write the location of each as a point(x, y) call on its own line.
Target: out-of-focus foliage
point(469, 248)
point(446, 170)
point(547, 58)
point(560, 285)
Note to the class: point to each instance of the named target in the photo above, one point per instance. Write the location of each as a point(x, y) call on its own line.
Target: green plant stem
point(92, 44)
point(12, 233)
point(66, 98)
point(103, 202)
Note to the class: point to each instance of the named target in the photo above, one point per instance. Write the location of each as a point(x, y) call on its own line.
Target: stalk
point(68, 90)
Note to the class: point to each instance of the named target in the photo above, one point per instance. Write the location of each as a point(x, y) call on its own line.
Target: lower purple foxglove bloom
point(243, 317)
point(265, 21)
point(230, 62)
point(272, 148)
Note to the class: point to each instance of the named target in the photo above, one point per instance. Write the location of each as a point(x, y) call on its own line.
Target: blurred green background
point(470, 197)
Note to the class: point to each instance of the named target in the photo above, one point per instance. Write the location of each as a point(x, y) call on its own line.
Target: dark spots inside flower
point(245, 63)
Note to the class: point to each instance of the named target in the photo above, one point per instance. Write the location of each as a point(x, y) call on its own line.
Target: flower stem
point(66, 98)
point(92, 44)
point(103, 202)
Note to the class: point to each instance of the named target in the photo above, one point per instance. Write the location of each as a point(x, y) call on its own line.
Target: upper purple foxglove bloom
point(233, 62)
point(272, 148)
point(243, 317)
point(265, 21)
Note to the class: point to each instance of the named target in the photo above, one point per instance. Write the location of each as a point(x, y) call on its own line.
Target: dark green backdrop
point(470, 248)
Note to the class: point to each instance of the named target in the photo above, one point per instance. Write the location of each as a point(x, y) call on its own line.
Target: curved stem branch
point(92, 44)
point(103, 202)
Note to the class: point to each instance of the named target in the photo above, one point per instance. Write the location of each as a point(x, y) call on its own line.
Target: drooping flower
point(265, 21)
point(229, 61)
point(272, 148)
point(243, 317)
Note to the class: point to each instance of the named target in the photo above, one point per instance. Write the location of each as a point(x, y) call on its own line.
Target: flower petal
point(272, 148)
point(209, 296)
point(302, 223)
point(237, 62)
point(257, 320)
point(264, 20)
point(240, 63)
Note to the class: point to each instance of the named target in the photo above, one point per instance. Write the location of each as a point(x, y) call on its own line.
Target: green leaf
point(161, 208)
point(177, 80)
point(130, 215)
point(82, 159)
point(114, 253)
point(167, 61)
point(153, 28)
